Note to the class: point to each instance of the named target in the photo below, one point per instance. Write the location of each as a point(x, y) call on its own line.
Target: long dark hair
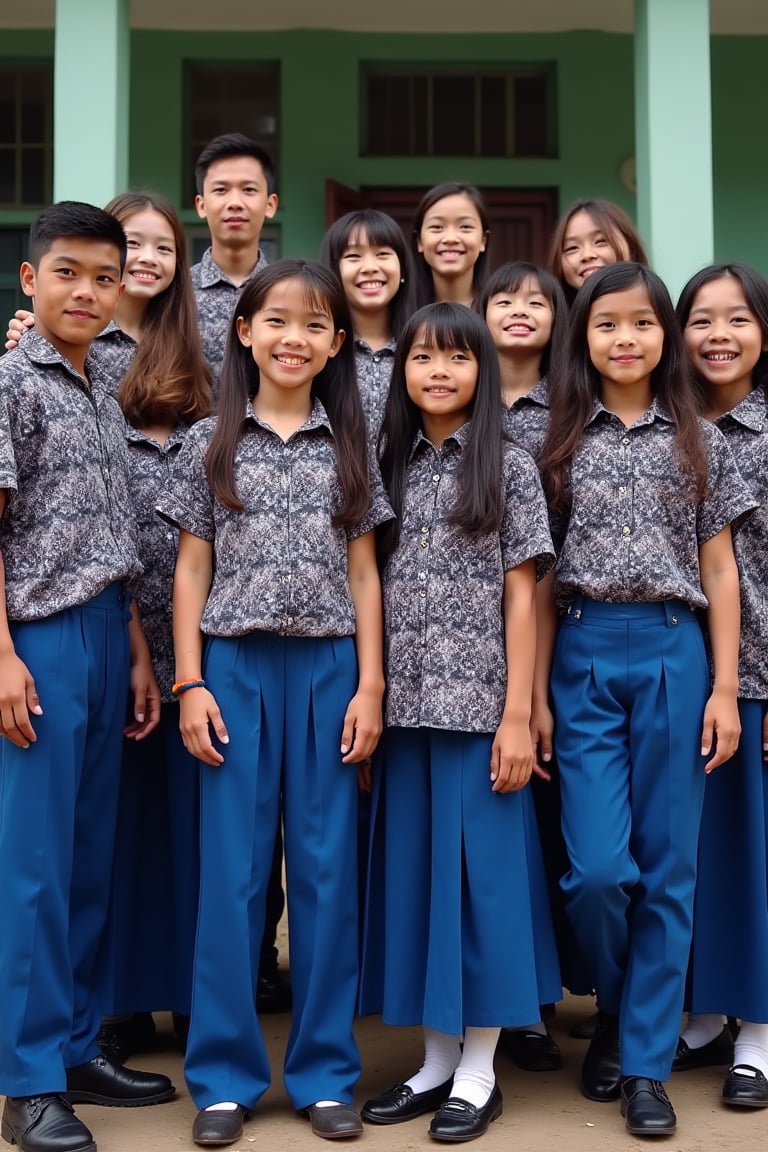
point(755, 289)
point(577, 383)
point(379, 230)
point(510, 278)
point(168, 378)
point(425, 288)
point(615, 225)
point(335, 386)
point(479, 504)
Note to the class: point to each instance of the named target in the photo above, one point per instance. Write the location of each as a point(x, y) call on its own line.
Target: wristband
point(185, 685)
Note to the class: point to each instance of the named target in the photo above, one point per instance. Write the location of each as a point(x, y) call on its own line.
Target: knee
point(600, 882)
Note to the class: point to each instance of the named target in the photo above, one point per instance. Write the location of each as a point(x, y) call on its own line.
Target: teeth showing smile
point(291, 361)
point(371, 285)
point(518, 329)
point(719, 357)
point(141, 275)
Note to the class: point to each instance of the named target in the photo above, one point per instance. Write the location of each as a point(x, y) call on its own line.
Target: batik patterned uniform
point(374, 372)
point(216, 297)
point(527, 420)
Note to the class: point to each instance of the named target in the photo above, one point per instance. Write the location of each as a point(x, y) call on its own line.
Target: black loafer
point(219, 1127)
point(401, 1103)
point(100, 1081)
point(531, 1051)
point(335, 1121)
point(746, 1086)
point(646, 1107)
point(44, 1124)
point(717, 1051)
point(456, 1120)
point(601, 1071)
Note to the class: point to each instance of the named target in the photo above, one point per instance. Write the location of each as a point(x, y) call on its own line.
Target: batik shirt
point(149, 469)
point(374, 372)
point(110, 358)
point(66, 532)
point(280, 565)
point(745, 428)
point(634, 528)
point(445, 658)
point(527, 420)
point(216, 297)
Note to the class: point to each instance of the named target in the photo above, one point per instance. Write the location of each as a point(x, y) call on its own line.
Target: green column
point(673, 134)
point(90, 100)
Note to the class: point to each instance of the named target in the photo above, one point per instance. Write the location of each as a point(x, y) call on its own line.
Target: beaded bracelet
point(185, 685)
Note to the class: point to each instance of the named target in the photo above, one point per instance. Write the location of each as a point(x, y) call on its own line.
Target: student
point(367, 251)
point(450, 242)
point(723, 311)
point(645, 493)
point(591, 235)
point(459, 583)
point(68, 649)
point(235, 181)
point(277, 570)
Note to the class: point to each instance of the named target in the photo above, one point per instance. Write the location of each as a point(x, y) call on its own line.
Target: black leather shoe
point(601, 1070)
point(273, 993)
point(530, 1050)
point(44, 1124)
point(401, 1103)
point(219, 1127)
point(335, 1121)
point(102, 1082)
point(717, 1051)
point(456, 1120)
point(119, 1039)
point(746, 1086)
point(646, 1107)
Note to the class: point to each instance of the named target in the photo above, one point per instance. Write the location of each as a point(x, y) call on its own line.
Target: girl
point(450, 240)
point(646, 493)
point(367, 251)
point(592, 235)
point(459, 583)
point(277, 569)
point(724, 314)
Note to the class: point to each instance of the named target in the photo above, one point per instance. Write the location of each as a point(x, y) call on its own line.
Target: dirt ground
point(541, 1111)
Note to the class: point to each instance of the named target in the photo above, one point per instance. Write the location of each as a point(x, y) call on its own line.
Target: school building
point(658, 104)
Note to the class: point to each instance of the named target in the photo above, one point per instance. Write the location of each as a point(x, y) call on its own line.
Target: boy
point(67, 649)
point(235, 181)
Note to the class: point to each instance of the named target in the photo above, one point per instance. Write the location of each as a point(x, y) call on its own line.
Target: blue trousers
point(58, 804)
point(283, 700)
point(629, 683)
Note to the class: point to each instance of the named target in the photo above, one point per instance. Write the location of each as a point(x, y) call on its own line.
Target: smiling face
point(724, 338)
point(586, 248)
point(236, 201)
point(520, 321)
point(451, 236)
point(151, 262)
point(291, 338)
point(441, 382)
point(76, 287)
point(625, 339)
point(370, 273)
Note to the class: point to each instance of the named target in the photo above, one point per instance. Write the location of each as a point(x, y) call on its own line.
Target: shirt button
point(622, 489)
point(435, 478)
point(625, 440)
point(376, 359)
point(422, 575)
point(425, 543)
point(625, 531)
point(425, 528)
point(423, 593)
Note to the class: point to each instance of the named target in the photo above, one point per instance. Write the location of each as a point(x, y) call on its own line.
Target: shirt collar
point(136, 436)
point(749, 412)
point(114, 329)
point(655, 412)
point(211, 274)
point(363, 346)
point(539, 394)
point(459, 437)
point(318, 418)
point(37, 349)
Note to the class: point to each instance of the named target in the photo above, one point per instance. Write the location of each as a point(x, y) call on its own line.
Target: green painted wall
point(320, 129)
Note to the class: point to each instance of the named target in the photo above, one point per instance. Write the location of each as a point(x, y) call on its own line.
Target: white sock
point(441, 1057)
point(701, 1029)
point(540, 1028)
point(326, 1103)
point(475, 1078)
point(751, 1047)
point(225, 1106)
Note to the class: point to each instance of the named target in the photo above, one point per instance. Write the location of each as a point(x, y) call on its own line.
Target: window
point(14, 243)
point(450, 112)
point(26, 136)
point(225, 98)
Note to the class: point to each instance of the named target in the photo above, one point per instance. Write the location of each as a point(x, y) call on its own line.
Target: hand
point(17, 326)
point(146, 699)
point(542, 729)
point(18, 697)
point(721, 729)
point(198, 712)
point(362, 727)
point(511, 756)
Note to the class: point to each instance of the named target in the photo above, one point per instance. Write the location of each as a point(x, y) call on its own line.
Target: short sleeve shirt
point(745, 428)
point(445, 660)
point(374, 372)
point(216, 297)
point(527, 420)
point(110, 358)
point(66, 532)
point(280, 565)
point(634, 528)
point(149, 467)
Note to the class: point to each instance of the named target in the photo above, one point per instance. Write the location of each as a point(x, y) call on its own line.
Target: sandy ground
point(541, 1111)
